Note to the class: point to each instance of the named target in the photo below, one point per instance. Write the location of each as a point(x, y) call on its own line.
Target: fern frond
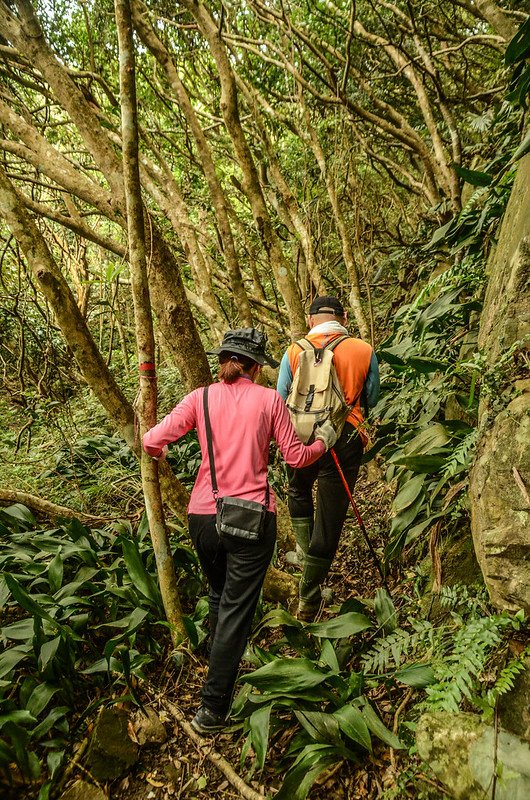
point(390, 650)
point(506, 677)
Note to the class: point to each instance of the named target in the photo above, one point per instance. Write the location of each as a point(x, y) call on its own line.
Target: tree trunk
point(168, 297)
point(251, 185)
point(145, 340)
point(70, 320)
point(220, 203)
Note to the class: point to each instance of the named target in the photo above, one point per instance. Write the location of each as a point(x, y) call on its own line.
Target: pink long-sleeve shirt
point(244, 417)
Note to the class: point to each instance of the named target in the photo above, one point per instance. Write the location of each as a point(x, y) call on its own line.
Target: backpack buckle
point(318, 355)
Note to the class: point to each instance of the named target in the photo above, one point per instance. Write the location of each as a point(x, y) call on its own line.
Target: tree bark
point(169, 297)
point(145, 340)
point(251, 184)
point(70, 320)
point(220, 203)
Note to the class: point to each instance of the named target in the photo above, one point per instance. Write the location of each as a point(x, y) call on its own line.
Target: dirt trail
point(179, 769)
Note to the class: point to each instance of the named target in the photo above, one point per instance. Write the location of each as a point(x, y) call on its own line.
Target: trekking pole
point(359, 520)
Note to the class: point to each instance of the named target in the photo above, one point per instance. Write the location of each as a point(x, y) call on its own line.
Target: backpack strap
point(307, 344)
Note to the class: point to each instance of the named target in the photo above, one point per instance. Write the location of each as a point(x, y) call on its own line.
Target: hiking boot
point(206, 721)
point(306, 612)
point(314, 574)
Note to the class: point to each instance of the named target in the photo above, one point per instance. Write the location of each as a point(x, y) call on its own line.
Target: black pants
point(235, 570)
point(331, 499)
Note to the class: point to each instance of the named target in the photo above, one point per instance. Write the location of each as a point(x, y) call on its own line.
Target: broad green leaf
point(434, 436)
point(353, 724)
point(134, 620)
point(402, 521)
point(418, 529)
point(18, 631)
point(416, 675)
point(26, 601)
point(4, 592)
point(313, 760)
point(19, 717)
point(377, 726)
point(292, 699)
point(19, 513)
point(44, 792)
point(286, 675)
point(522, 150)
point(49, 721)
point(427, 464)
point(102, 665)
point(140, 577)
point(473, 176)
point(40, 697)
point(55, 572)
point(329, 657)
point(10, 658)
point(408, 493)
point(320, 726)
point(519, 46)
point(439, 234)
point(385, 611)
point(259, 733)
point(338, 627)
point(425, 365)
point(279, 616)
point(54, 760)
point(48, 651)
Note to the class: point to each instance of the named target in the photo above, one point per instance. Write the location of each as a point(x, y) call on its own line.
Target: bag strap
point(208, 426)
point(307, 344)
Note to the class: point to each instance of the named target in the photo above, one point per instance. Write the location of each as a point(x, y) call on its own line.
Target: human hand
point(163, 454)
point(326, 433)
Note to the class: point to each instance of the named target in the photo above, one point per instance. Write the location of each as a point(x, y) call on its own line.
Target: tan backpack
point(316, 394)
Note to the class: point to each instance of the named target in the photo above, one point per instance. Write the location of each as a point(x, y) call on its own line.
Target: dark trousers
point(331, 499)
point(235, 569)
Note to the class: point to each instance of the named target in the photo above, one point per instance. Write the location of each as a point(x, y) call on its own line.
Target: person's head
point(242, 351)
point(326, 309)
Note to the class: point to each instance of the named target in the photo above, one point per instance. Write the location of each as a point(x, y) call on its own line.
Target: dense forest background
point(170, 171)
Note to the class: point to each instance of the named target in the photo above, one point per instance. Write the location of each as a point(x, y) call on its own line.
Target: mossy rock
point(111, 752)
point(471, 758)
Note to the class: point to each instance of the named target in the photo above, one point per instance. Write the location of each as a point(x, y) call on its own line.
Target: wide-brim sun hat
point(245, 342)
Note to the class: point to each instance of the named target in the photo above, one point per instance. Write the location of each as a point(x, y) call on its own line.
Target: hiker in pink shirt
point(244, 418)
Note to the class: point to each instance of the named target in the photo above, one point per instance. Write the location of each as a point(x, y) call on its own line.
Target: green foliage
point(318, 690)
point(84, 606)
point(516, 56)
point(431, 358)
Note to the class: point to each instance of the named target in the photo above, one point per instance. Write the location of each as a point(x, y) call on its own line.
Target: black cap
point(245, 342)
point(326, 305)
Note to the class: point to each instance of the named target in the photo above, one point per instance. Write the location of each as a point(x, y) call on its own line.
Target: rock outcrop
point(500, 478)
point(474, 760)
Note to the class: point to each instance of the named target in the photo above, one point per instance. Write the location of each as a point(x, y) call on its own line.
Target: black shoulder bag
point(236, 517)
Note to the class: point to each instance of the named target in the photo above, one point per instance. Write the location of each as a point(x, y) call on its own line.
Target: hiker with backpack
point(231, 515)
point(323, 378)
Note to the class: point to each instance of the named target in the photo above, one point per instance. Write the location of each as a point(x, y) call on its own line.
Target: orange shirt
point(352, 362)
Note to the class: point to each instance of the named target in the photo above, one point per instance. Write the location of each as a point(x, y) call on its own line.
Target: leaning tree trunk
point(168, 296)
point(500, 478)
point(251, 184)
point(145, 340)
point(71, 322)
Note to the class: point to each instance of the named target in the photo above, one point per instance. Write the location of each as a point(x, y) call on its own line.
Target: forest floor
point(181, 768)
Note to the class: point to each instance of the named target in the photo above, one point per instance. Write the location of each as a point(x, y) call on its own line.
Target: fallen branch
point(49, 509)
point(221, 763)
